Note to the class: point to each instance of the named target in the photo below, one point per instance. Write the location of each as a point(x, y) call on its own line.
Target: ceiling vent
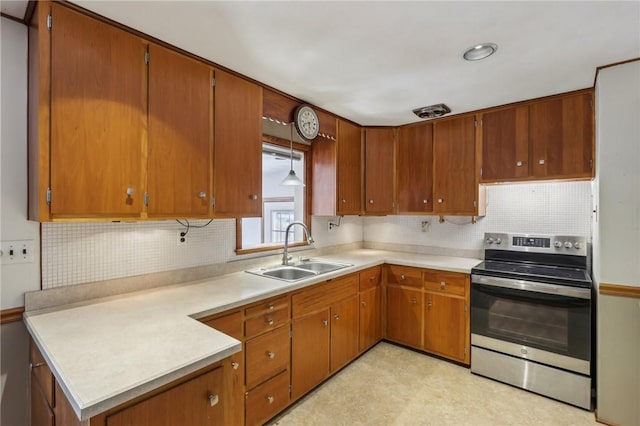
point(432, 111)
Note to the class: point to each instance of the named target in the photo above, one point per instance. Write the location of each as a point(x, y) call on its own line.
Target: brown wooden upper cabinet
point(337, 172)
point(238, 147)
point(180, 135)
point(379, 170)
point(561, 142)
point(98, 114)
point(546, 139)
point(414, 168)
point(455, 188)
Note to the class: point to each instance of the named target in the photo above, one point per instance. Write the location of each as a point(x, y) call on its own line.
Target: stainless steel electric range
point(532, 315)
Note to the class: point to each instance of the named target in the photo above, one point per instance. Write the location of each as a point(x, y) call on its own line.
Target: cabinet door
point(41, 414)
point(196, 402)
point(505, 144)
point(309, 352)
point(379, 172)
point(404, 316)
point(370, 318)
point(454, 152)
point(445, 326)
point(349, 168)
point(344, 332)
point(561, 137)
point(180, 135)
point(98, 116)
point(415, 169)
point(238, 147)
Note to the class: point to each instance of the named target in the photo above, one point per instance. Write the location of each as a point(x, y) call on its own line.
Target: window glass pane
point(281, 204)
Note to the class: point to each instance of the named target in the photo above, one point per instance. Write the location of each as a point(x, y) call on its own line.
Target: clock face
point(306, 121)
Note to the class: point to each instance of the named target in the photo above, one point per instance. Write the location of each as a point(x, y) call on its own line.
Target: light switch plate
point(19, 251)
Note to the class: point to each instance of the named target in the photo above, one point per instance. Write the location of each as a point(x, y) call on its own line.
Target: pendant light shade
point(291, 179)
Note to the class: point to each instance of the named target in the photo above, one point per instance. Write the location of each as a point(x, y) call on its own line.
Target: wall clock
point(306, 121)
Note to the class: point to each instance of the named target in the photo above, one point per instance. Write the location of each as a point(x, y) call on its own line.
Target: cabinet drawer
point(404, 275)
point(267, 355)
point(266, 322)
point(446, 282)
point(230, 324)
point(267, 400)
point(370, 278)
point(323, 295)
point(267, 306)
point(41, 413)
point(41, 373)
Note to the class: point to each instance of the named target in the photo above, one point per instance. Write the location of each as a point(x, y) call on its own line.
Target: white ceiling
point(373, 62)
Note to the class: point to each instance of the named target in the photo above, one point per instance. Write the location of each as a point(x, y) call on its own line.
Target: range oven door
point(546, 323)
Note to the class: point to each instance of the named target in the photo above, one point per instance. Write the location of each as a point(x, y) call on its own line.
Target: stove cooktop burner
point(534, 272)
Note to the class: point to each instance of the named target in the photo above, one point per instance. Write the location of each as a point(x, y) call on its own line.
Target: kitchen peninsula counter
point(105, 352)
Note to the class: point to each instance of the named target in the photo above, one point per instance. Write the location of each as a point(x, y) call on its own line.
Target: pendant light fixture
point(291, 179)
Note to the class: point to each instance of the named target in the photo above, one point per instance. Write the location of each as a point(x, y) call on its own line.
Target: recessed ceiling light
point(480, 51)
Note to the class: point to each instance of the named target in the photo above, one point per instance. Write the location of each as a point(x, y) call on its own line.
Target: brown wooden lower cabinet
point(344, 332)
point(268, 399)
point(404, 315)
point(310, 362)
point(198, 401)
point(445, 326)
point(370, 318)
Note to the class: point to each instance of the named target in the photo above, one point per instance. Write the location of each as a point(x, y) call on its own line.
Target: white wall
point(15, 279)
point(617, 241)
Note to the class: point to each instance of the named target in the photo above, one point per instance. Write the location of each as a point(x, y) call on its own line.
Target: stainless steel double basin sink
point(300, 270)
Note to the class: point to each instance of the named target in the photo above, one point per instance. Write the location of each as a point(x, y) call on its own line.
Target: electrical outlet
point(425, 225)
point(182, 238)
point(331, 226)
point(16, 252)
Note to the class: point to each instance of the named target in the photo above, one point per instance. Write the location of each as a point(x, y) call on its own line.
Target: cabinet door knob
point(518, 163)
point(235, 365)
point(429, 303)
point(130, 191)
point(271, 306)
point(425, 201)
point(202, 194)
point(344, 200)
point(402, 277)
point(414, 300)
point(271, 355)
point(213, 400)
point(253, 196)
point(363, 303)
point(372, 278)
point(336, 316)
point(270, 321)
point(325, 322)
point(540, 161)
point(371, 201)
point(270, 399)
point(442, 285)
point(440, 200)
point(36, 365)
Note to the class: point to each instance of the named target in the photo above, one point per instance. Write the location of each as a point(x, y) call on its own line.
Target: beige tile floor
point(391, 385)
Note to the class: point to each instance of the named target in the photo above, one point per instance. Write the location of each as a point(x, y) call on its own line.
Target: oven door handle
point(557, 290)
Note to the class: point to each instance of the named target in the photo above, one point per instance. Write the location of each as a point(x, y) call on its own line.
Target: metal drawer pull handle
point(36, 365)
point(402, 277)
point(325, 322)
point(271, 306)
point(270, 399)
point(213, 400)
point(235, 365)
point(271, 355)
point(429, 303)
point(414, 300)
point(270, 321)
point(442, 284)
point(373, 277)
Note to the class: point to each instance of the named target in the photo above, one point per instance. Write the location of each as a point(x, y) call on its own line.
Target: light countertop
point(104, 353)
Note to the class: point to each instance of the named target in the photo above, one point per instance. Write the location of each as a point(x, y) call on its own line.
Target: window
point(281, 204)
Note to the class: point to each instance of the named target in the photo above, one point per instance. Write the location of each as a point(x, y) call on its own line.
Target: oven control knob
point(568, 245)
point(558, 244)
point(576, 245)
point(489, 240)
point(498, 241)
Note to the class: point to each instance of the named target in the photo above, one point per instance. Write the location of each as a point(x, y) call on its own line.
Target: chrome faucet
point(285, 255)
